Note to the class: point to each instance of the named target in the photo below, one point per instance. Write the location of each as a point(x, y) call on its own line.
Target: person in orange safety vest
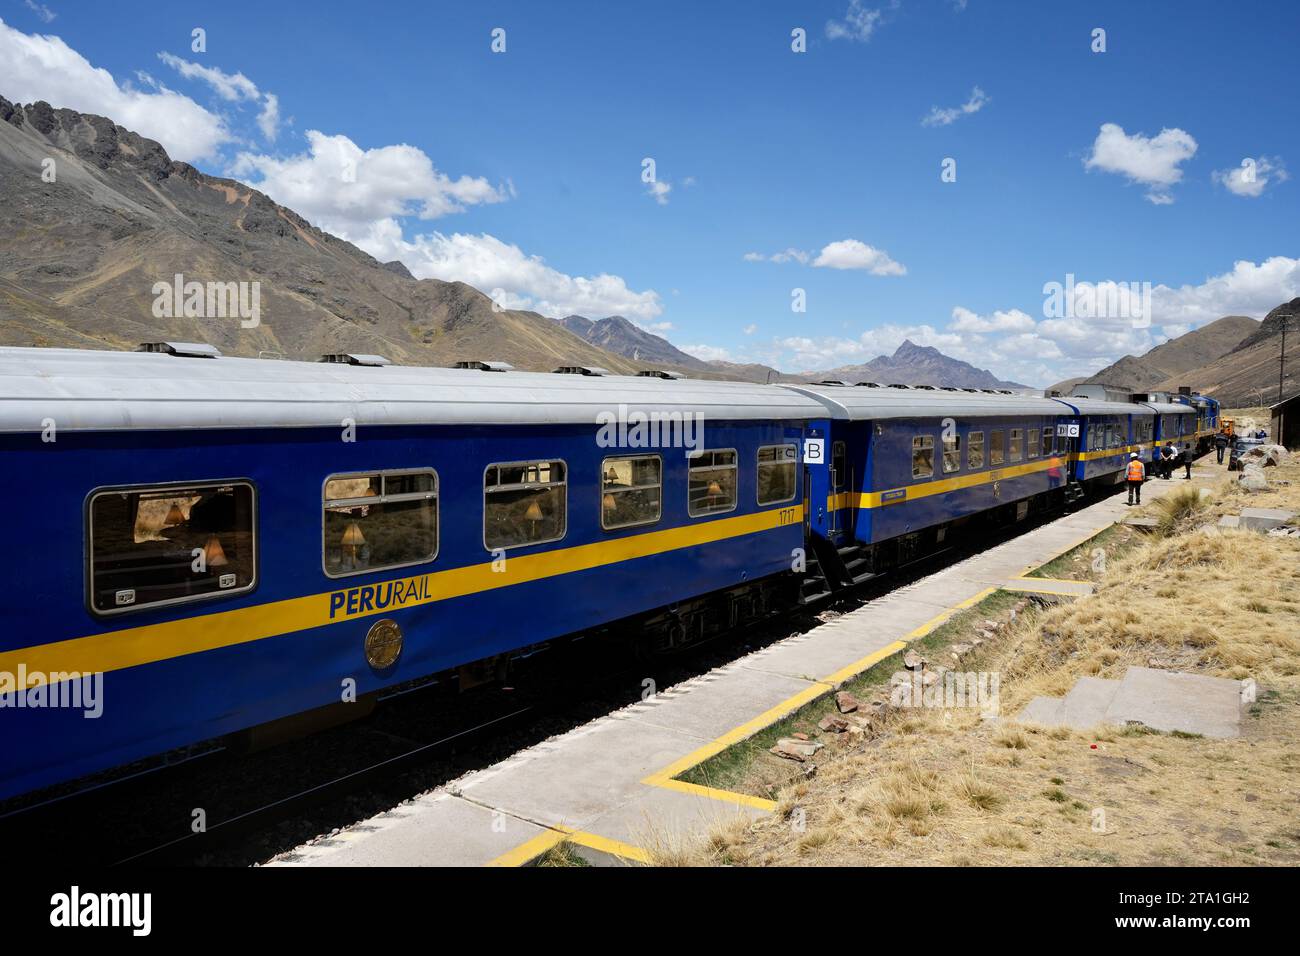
point(1136, 474)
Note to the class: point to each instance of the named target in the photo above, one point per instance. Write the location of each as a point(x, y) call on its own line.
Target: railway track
point(223, 807)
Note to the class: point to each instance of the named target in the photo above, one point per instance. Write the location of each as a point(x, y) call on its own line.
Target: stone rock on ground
point(846, 702)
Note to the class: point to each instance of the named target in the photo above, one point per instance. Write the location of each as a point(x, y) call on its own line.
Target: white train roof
point(1099, 406)
point(1171, 408)
point(85, 390)
point(867, 403)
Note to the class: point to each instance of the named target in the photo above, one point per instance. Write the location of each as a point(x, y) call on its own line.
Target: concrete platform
point(609, 788)
point(1042, 710)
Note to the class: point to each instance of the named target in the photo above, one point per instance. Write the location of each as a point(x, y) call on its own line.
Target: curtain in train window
point(165, 545)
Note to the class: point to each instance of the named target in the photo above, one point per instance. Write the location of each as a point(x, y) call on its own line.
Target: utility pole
point(1281, 360)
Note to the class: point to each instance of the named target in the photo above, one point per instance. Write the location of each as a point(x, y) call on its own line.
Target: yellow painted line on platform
point(666, 777)
point(530, 850)
point(594, 841)
point(548, 839)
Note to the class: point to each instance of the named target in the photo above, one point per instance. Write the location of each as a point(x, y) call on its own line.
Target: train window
point(1017, 444)
point(951, 454)
point(1094, 437)
point(524, 502)
point(631, 491)
point(1047, 441)
point(712, 483)
point(1033, 437)
point(379, 519)
point(159, 545)
point(777, 473)
point(975, 450)
point(922, 456)
point(997, 441)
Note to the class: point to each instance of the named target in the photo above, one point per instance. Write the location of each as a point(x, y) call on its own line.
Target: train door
point(839, 485)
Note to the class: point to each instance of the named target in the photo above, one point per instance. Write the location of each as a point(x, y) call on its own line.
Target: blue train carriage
point(226, 542)
point(1110, 426)
point(1176, 423)
point(920, 462)
point(1207, 417)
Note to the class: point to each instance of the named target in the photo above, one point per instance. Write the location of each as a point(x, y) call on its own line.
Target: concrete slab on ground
point(1041, 710)
point(1265, 519)
point(1088, 702)
point(1165, 700)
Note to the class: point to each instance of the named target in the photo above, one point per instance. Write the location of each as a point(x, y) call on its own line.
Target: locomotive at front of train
point(228, 542)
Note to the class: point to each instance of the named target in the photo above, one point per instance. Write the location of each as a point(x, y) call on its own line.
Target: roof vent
point(898, 385)
point(1005, 391)
point(991, 391)
point(950, 388)
point(869, 384)
point(965, 389)
point(928, 388)
point(347, 358)
point(581, 370)
point(659, 373)
point(485, 366)
point(183, 349)
point(830, 381)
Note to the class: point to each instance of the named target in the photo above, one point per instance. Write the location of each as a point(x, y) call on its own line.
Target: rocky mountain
point(913, 364)
point(1288, 312)
point(1172, 359)
point(92, 216)
point(616, 334)
point(1248, 374)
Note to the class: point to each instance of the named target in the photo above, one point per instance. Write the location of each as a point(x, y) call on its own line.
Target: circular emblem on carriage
point(383, 644)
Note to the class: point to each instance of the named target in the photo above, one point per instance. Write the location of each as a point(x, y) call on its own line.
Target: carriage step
point(806, 599)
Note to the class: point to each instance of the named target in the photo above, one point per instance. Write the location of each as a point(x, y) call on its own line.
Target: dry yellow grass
point(943, 787)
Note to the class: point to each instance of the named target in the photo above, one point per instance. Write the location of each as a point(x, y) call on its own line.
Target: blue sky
point(521, 172)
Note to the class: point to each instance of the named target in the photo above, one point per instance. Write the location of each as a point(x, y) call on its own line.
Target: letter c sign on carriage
point(814, 451)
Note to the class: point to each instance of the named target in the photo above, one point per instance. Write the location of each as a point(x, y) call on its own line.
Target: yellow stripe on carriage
point(150, 643)
point(875, 499)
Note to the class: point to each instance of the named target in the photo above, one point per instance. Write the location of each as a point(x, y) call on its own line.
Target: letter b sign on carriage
point(814, 451)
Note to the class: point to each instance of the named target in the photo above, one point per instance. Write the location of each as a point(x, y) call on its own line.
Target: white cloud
point(1252, 177)
point(750, 329)
point(852, 254)
point(659, 190)
point(789, 255)
point(229, 86)
point(1019, 347)
point(859, 23)
point(843, 254)
point(1152, 161)
point(942, 117)
point(346, 190)
point(36, 67)
point(233, 87)
point(511, 277)
point(41, 10)
point(269, 119)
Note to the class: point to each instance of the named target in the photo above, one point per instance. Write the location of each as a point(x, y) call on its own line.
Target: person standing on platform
point(1136, 474)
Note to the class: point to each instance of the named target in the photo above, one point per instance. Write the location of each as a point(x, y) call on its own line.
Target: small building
point(1285, 426)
